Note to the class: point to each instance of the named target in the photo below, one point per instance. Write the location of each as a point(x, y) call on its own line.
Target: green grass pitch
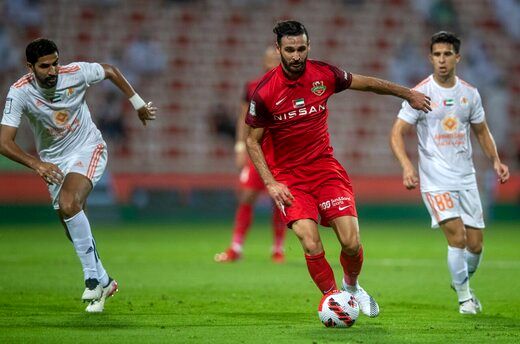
point(171, 291)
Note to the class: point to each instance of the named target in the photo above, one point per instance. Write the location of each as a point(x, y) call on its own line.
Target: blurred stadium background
point(192, 58)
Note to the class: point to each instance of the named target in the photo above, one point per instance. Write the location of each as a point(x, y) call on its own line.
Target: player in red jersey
point(302, 176)
point(251, 185)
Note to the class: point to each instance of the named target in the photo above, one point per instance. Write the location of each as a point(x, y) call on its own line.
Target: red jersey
point(295, 113)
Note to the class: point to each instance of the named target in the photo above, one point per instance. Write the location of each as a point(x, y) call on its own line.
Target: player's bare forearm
point(397, 143)
point(117, 78)
point(11, 150)
point(486, 141)
point(417, 100)
point(256, 154)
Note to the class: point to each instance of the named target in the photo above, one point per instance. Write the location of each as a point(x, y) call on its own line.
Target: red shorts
point(322, 189)
point(249, 177)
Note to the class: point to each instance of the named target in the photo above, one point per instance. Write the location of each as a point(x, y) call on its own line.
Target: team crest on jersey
point(298, 103)
point(252, 108)
point(60, 117)
point(450, 124)
point(464, 101)
point(318, 88)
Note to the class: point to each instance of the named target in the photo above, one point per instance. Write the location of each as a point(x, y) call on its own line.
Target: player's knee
point(474, 247)
point(312, 247)
point(351, 248)
point(69, 206)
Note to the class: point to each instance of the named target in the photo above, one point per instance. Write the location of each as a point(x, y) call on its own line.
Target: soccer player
point(72, 152)
point(446, 173)
point(251, 184)
point(302, 176)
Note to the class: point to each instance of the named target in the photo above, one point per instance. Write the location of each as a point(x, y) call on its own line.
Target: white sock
point(459, 272)
point(102, 274)
point(79, 230)
point(473, 260)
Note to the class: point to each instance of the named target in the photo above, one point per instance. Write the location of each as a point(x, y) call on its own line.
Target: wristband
point(240, 147)
point(137, 101)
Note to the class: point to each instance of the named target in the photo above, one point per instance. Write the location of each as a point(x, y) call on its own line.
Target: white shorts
point(89, 161)
point(443, 205)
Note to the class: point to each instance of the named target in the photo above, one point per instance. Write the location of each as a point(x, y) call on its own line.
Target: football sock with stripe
point(79, 230)
point(459, 272)
point(102, 274)
point(321, 272)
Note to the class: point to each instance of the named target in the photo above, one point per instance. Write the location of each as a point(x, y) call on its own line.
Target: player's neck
point(447, 81)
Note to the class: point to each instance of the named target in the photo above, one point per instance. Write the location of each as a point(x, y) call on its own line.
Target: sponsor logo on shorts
point(335, 202)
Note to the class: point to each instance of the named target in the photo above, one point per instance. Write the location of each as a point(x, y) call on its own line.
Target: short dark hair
point(289, 28)
point(38, 48)
point(446, 37)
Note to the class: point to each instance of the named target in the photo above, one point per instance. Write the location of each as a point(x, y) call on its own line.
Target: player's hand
point(502, 172)
point(280, 194)
point(240, 159)
point(410, 178)
point(419, 101)
point(147, 113)
point(50, 173)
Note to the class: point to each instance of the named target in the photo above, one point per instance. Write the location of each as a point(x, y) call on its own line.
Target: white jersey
point(445, 154)
point(59, 117)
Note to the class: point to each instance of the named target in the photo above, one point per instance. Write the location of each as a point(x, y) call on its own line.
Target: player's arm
point(279, 192)
point(416, 99)
point(145, 111)
point(486, 141)
point(400, 128)
point(240, 144)
point(8, 147)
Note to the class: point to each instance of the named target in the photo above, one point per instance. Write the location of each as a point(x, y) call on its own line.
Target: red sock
point(321, 272)
point(352, 266)
point(243, 218)
point(278, 231)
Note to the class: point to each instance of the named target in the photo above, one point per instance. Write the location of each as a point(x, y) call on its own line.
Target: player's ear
point(457, 58)
point(430, 57)
point(30, 66)
point(277, 47)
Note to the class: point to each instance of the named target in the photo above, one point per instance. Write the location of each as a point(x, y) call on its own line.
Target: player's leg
point(279, 230)
point(474, 248)
point(445, 211)
point(72, 197)
point(319, 268)
point(243, 219)
point(455, 234)
point(351, 259)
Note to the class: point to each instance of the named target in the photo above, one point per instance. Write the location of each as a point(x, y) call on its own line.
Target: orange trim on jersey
point(23, 80)
point(425, 81)
point(66, 70)
point(466, 83)
point(432, 205)
point(94, 161)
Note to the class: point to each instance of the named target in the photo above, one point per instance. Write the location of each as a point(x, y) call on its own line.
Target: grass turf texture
point(172, 291)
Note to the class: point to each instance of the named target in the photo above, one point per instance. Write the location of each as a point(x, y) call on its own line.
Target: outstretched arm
point(486, 141)
point(416, 99)
point(279, 192)
point(145, 111)
point(8, 147)
point(410, 179)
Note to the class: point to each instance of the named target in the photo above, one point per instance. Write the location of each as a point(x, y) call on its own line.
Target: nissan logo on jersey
point(300, 112)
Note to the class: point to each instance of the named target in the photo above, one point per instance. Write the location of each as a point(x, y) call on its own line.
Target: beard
point(294, 67)
point(48, 82)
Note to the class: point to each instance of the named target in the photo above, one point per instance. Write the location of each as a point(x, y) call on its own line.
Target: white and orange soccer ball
point(338, 309)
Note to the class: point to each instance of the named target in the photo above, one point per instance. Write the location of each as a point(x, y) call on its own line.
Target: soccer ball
point(338, 309)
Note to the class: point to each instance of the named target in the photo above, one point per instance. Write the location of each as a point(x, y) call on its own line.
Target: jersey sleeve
point(93, 72)
point(257, 115)
point(13, 109)
point(408, 114)
point(477, 114)
point(342, 79)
